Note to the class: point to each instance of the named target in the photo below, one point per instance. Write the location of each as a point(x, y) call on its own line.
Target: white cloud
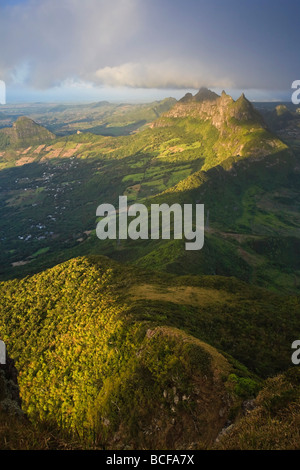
point(130, 43)
point(167, 74)
point(52, 42)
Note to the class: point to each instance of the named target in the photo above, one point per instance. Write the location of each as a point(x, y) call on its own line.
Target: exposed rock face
point(219, 109)
point(203, 95)
point(241, 130)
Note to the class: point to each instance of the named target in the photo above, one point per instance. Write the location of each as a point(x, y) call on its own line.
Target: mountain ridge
point(127, 363)
point(120, 350)
point(241, 129)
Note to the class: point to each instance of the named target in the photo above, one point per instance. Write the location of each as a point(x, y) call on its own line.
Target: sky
point(139, 50)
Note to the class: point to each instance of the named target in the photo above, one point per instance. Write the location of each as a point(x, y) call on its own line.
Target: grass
point(274, 422)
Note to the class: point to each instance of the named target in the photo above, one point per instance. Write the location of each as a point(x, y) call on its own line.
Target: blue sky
point(66, 50)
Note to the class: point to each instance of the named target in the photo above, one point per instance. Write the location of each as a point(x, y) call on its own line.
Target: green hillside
point(24, 132)
point(107, 352)
point(206, 148)
point(272, 423)
point(103, 118)
point(123, 344)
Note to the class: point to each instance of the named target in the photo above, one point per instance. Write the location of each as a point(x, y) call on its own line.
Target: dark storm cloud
point(150, 44)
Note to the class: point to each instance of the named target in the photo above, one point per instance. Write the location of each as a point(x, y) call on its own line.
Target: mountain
point(280, 117)
point(203, 95)
point(151, 346)
point(102, 118)
point(216, 151)
point(236, 127)
point(127, 358)
point(24, 132)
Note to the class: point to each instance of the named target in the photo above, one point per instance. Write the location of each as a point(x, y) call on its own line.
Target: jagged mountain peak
point(238, 128)
point(244, 110)
point(207, 104)
point(186, 98)
point(204, 94)
point(243, 99)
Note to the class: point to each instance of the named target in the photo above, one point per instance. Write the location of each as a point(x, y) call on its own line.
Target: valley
point(140, 344)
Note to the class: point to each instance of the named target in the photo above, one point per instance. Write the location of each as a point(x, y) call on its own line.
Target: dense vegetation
point(50, 193)
point(24, 132)
point(101, 118)
point(111, 354)
point(274, 422)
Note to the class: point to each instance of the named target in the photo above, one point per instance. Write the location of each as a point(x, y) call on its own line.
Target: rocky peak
point(187, 98)
point(204, 94)
point(222, 111)
point(244, 110)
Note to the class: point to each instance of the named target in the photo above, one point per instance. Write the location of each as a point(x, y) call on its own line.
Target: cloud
point(52, 42)
point(167, 74)
point(145, 44)
point(57, 40)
